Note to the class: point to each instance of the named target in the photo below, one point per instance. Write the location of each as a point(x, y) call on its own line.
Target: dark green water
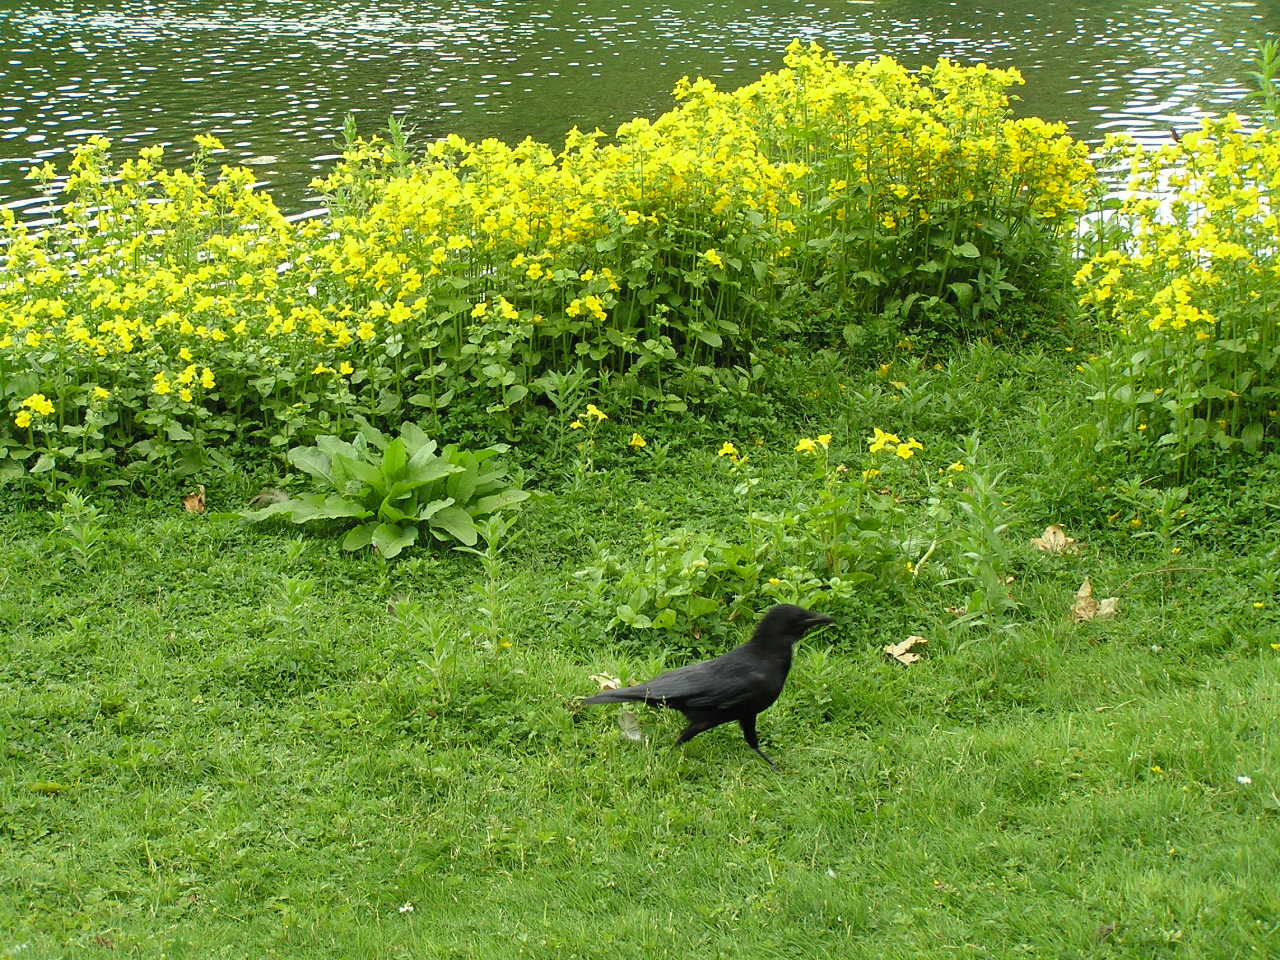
point(274, 78)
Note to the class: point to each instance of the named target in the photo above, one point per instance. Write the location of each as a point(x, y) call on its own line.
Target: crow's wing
point(736, 680)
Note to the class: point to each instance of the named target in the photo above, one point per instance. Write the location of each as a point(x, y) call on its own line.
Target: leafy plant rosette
point(394, 489)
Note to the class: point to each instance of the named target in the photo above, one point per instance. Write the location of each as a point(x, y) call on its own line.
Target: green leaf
point(457, 523)
point(427, 467)
point(462, 485)
point(360, 537)
point(394, 460)
point(499, 501)
point(312, 461)
point(1251, 436)
point(271, 510)
point(666, 619)
point(415, 439)
point(697, 606)
point(390, 539)
point(966, 249)
point(431, 509)
point(963, 292)
point(367, 474)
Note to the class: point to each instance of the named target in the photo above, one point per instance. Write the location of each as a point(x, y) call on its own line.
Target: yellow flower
point(637, 441)
point(713, 257)
point(206, 379)
point(594, 411)
point(479, 310)
point(162, 385)
point(958, 467)
point(185, 394)
point(882, 440)
point(870, 474)
point(824, 440)
point(208, 142)
point(22, 418)
point(321, 368)
point(346, 369)
point(39, 403)
point(1258, 604)
point(905, 451)
point(101, 393)
point(774, 580)
point(806, 446)
point(1156, 768)
point(576, 425)
point(728, 450)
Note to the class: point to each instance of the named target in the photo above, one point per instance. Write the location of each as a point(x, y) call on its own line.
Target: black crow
point(734, 686)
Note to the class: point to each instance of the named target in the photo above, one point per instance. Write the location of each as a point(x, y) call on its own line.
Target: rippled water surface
point(274, 78)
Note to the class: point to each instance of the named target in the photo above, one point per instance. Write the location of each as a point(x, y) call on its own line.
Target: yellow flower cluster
point(485, 265)
point(905, 449)
point(807, 445)
point(1188, 290)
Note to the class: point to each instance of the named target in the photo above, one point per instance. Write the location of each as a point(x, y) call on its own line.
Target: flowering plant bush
point(1190, 296)
point(166, 312)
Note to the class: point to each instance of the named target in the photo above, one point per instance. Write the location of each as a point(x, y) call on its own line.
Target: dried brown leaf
point(1055, 540)
point(903, 652)
point(1088, 607)
point(194, 503)
point(606, 682)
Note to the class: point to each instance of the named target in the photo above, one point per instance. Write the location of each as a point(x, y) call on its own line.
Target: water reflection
point(273, 78)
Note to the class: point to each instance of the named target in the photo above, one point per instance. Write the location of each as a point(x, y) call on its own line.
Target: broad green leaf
point(431, 509)
point(966, 249)
point(367, 474)
point(1251, 436)
point(462, 485)
point(427, 467)
point(313, 461)
point(697, 606)
point(666, 619)
point(270, 510)
point(390, 539)
point(632, 619)
point(360, 537)
point(394, 459)
point(457, 523)
point(963, 292)
point(415, 439)
point(499, 501)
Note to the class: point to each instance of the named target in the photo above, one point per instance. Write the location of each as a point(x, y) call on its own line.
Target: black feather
point(737, 685)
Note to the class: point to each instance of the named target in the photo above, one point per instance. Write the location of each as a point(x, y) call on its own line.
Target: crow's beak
point(817, 620)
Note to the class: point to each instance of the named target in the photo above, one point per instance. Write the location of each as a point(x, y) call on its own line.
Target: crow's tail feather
point(618, 696)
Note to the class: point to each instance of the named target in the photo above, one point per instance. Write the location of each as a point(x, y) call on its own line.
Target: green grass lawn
point(219, 740)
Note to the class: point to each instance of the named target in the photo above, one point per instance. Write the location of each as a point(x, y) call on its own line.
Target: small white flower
point(406, 908)
point(1244, 780)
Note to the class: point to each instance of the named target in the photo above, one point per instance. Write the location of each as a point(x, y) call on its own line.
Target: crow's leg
point(696, 725)
point(748, 725)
